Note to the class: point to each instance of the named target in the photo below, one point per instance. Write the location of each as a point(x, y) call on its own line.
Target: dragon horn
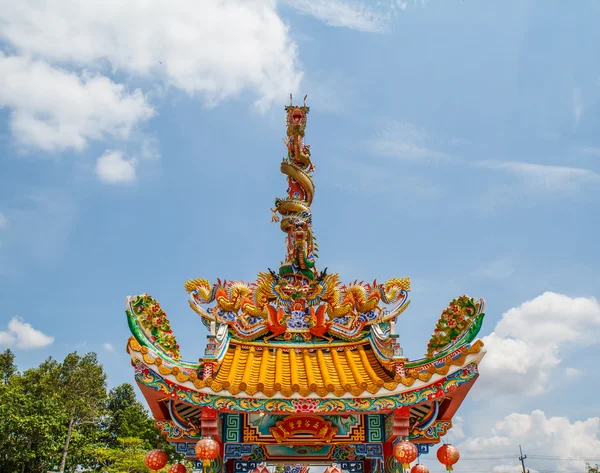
point(305, 100)
point(290, 100)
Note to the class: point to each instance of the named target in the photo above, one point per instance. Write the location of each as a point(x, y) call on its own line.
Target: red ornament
point(206, 450)
point(156, 459)
point(405, 453)
point(418, 468)
point(177, 468)
point(448, 455)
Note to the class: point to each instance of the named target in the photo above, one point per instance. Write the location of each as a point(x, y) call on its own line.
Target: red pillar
point(210, 423)
point(400, 428)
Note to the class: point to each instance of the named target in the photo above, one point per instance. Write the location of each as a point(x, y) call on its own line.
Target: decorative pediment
point(303, 429)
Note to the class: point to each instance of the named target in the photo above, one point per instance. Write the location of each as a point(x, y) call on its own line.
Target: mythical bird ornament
point(297, 302)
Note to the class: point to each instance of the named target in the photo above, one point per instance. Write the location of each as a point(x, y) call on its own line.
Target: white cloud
point(573, 372)
point(355, 15)
point(526, 344)
point(108, 347)
point(6, 338)
point(53, 109)
point(372, 16)
point(3, 220)
point(218, 48)
point(540, 435)
point(113, 168)
point(545, 177)
point(23, 335)
point(457, 431)
point(404, 141)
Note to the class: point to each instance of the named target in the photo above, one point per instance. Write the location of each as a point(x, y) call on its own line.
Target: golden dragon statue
point(298, 300)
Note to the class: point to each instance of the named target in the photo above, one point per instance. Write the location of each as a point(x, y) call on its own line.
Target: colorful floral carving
point(155, 324)
point(463, 316)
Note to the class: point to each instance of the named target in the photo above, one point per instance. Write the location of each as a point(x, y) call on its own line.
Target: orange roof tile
point(305, 370)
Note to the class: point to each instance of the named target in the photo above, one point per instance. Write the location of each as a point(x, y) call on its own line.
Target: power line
point(530, 457)
point(550, 457)
point(487, 458)
point(480, 470)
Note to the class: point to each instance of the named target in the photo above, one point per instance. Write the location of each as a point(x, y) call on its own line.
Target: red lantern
point(418, 468)
point(177, 468)
point(405, 453)
point(206, 450)
point(156, 459)
point(448, 455)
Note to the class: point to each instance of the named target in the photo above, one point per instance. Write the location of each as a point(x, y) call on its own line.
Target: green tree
point(31, 421)
point(126, 457)
point(82, 386)
point(126, 415)
point(58, 416)
point(7, 366)
point(127, 418)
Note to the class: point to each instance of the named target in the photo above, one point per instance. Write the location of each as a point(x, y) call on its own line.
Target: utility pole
point(522, 459)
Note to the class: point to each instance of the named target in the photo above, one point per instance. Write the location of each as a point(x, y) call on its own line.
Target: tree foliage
point(127, 456)
point(60, 417)
point(7, 366)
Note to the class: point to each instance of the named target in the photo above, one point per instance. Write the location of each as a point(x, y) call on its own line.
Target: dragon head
point(299, 230)
point(296, 118)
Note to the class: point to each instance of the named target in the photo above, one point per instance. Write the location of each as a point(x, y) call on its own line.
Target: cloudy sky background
point(455, 141)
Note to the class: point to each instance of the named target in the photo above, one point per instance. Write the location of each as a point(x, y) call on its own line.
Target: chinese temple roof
point(298, 337)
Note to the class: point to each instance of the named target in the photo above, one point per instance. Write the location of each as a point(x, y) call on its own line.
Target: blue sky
point(455, 142)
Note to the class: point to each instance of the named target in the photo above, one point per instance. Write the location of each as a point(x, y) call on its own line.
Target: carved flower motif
point(305, 405)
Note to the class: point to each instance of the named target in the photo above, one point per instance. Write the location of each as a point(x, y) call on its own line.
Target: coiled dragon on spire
point(297, 302)
point(296, 218)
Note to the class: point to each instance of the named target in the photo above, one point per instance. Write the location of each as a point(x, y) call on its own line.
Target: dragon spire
point(296, 218)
